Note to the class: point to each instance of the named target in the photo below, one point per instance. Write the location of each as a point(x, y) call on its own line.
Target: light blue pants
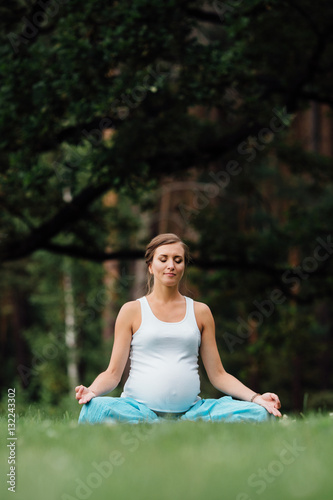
point(226, 409)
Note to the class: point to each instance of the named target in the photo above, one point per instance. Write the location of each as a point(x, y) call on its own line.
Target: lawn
point(58, 459)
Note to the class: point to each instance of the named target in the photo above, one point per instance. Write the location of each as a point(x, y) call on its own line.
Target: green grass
point(58, 459)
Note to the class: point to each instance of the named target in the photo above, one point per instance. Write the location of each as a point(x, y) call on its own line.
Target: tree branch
point(96, 255)
point(276, 274)
point(68, 214)
point(204, 16)
point(159, 164)
point(220, 9)
point(78, 252)
point(125, 254)
point(73, 135)
point(93, 255)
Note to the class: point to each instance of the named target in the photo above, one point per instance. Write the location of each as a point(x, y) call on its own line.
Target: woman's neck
point(165, 294)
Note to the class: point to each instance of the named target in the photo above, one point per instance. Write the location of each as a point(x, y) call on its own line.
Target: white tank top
point(164, 361)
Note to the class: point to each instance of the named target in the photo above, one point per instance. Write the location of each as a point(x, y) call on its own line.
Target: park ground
point(55, 458)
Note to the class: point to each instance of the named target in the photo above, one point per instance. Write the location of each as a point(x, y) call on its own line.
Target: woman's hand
point(84, 395)
point(270, 401)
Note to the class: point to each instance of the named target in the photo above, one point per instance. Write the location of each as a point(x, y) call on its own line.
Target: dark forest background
point(212, 120)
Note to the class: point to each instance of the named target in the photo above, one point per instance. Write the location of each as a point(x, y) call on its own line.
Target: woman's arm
point(108, 380)
point(217, 375)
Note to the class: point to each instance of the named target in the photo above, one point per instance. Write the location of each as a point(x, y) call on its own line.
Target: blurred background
point(122, 120)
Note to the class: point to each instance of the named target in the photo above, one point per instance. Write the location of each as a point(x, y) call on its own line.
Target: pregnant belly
point(170, 389)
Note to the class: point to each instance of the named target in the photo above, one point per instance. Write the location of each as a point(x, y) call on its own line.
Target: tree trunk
point(70, 336)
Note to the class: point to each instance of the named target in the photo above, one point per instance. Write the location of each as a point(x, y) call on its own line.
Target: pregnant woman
point(164, 332)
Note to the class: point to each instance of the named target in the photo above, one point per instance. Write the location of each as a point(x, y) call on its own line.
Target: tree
point(115, 98)
point(71, 72)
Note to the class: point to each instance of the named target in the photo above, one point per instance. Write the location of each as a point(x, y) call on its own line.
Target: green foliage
point(243, 230)
point(139, 69)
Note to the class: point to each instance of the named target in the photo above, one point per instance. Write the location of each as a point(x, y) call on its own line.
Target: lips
point(169, 274)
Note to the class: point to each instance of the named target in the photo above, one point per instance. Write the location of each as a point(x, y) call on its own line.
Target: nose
point(171, 264)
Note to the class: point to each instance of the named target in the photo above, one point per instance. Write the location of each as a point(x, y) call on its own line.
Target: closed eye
point(177, 259)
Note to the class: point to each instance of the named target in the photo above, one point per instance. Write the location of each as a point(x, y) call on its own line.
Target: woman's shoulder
point(201, 307)
point(129, 309)
point(130, 315)
point(202, 313)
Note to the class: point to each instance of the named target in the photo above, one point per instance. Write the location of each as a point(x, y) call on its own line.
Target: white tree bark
point(70, 332)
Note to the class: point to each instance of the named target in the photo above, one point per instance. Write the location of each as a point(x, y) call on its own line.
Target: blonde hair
point(158, 241)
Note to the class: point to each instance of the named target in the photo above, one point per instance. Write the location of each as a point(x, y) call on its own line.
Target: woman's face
point(168, 264)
